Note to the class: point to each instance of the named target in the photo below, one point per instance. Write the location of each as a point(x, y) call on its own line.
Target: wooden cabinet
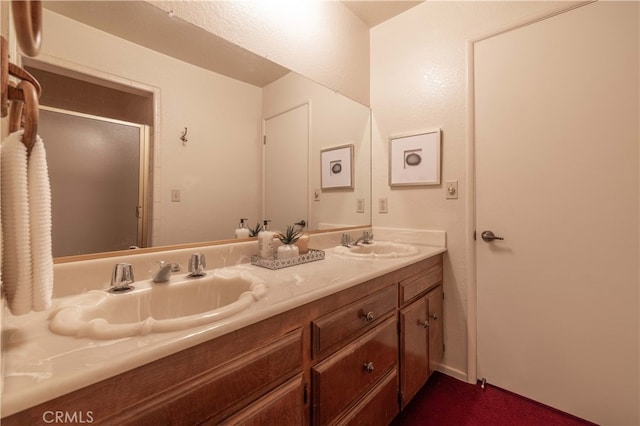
point(342, 359)
point(414, 349)
point(435, 303)
point(421, 330)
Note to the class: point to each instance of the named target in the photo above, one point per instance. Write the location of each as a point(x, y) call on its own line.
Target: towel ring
point(26, 111)
point(27, 16)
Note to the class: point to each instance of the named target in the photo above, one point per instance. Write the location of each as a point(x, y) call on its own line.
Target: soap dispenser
point(265, 242)
point(242, 231)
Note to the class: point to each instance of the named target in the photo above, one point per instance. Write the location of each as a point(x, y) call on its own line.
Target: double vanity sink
point(183, 303)
point(95, 334)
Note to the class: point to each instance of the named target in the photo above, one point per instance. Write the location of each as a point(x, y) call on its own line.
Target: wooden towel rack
point(20, 100)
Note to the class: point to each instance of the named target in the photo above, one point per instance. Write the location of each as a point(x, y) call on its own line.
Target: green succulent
point(253, 232)
point(290, 236)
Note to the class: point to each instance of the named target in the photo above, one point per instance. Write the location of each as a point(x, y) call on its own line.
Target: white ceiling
point(374, 12)
point(169, 36)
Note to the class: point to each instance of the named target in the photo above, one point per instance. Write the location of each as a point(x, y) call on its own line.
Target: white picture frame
point(336, 167)
point(414, 160)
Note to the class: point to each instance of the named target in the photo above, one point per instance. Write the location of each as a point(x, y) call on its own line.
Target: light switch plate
point(451, 189)
point(175, 195)
point(360, 205)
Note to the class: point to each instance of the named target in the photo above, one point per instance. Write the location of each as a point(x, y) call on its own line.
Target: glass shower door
point(97, 169)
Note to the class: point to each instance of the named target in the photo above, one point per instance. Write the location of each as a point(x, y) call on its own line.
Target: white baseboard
point(453, 372)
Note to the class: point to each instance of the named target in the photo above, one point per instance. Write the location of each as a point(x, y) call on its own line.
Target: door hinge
point(264, 140)
point(305, 395)
point(400, 398)
point(139, 212)
point(474, 235)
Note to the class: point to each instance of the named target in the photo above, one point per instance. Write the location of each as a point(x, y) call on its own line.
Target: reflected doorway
point(99, 170)
point(286, 151)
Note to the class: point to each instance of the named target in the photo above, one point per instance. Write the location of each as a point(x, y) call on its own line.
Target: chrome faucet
point(164, 271)
point(366, 238)
point(347, 241)
point(197, 265)
point(122, 278)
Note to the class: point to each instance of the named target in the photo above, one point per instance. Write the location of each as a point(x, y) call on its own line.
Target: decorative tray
point(311, 256)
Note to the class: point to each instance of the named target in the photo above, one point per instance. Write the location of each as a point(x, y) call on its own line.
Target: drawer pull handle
point(368, 317)
point(368, 367)
point(434, 316)
point(425, 324)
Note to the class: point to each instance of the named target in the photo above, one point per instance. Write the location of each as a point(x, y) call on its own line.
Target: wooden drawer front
point(378, 407)
point(343, 378)
point(282, 406)
point(413, 286)
point(359, 316)
point(218, 393)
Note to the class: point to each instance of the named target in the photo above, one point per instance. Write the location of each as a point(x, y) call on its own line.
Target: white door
point(556, 141)
point(285, 176)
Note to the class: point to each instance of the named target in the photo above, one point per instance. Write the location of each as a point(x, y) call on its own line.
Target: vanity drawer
point(346, 376)
point(217, 393)
point(414, 285)
point(357, 317)
point(378, 407)
point(285, 402)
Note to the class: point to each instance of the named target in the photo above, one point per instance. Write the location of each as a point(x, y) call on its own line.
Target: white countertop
point(39, 365)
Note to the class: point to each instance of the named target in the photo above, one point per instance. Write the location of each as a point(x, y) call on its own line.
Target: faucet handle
point(197, 265)
point(122, 277)
point(346, 240)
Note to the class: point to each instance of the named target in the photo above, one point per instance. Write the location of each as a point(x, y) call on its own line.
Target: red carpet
point(445, 401)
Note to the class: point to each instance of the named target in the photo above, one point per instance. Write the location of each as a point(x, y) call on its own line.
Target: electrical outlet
point(360, 205)
point(383, 206)
point(175, 195)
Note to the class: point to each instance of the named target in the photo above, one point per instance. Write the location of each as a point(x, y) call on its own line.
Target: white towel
point(22, 230)
point(40, 226)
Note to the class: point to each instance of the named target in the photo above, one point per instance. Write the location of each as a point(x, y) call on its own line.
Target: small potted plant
point(288, 248)
point(253, 232)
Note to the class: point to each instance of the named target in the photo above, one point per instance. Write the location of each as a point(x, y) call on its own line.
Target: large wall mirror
point(230, 134)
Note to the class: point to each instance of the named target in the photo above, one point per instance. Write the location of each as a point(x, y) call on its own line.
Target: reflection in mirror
point(253, 143)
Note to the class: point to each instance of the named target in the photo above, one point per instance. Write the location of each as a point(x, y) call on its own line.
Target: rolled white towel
point(40, 227)
point(16, 259)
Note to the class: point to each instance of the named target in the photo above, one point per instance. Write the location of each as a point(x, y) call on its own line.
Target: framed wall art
point(336, 167)
point(415, 159)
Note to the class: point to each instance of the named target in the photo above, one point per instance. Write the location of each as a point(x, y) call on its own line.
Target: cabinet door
point(414, 348)
point(436, 340)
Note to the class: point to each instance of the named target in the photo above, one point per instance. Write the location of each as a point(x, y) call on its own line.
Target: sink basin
point(157, 308)
point(378, 249)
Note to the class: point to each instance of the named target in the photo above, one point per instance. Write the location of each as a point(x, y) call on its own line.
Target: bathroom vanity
point(355, 354)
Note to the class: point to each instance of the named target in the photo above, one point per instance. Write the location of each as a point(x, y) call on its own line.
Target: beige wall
point(294, 34)
point(419, 82)
point(219, 112)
